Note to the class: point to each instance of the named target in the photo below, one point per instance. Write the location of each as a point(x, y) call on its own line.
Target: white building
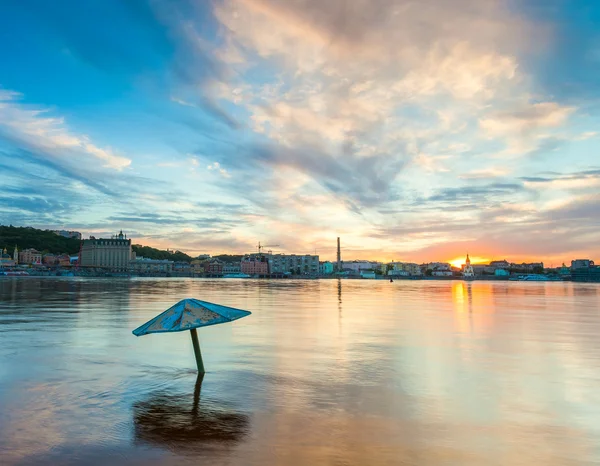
point(358, 266)
point(112, 253)
point(468, 271)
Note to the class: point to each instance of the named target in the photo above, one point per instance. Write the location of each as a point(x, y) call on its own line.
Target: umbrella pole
point(197, 352)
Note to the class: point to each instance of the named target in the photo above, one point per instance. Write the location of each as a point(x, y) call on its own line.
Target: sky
point(415, 131)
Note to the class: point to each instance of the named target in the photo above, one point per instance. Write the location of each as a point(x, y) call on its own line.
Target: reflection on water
point(323, 372)
point(179, 421)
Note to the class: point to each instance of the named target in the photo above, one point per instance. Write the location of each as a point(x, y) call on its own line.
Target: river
point(323, 372)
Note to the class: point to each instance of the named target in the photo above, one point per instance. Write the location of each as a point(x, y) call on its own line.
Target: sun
point(459, 261)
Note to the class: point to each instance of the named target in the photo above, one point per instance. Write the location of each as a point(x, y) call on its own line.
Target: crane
point(260, 247)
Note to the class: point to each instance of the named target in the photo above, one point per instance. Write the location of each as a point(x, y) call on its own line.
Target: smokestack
point(339, 256)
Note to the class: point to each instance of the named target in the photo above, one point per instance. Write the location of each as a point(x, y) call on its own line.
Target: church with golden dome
point(468, 272)
point(6, 260)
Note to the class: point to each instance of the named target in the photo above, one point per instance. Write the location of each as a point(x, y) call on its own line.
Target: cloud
point(33, 128)
point(526, 120)
point(217, 167)
point(581, 180)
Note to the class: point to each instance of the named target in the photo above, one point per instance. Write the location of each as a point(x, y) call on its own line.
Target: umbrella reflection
point(180, 421)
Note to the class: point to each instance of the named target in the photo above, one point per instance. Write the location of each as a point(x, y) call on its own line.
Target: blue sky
point(413, 130)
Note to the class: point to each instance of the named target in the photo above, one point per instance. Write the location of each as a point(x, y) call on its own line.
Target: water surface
point(323, 372)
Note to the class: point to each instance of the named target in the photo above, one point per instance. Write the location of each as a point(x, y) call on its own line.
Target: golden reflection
point(474, 305)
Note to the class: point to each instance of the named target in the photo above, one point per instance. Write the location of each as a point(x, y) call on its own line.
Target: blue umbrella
point(189, 314)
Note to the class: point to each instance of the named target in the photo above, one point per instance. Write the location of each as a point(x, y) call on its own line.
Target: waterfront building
point(504, 264)
point(181, 267)
point(564, 270)
point(355, 267)
point(112, 253)
point(255, 265)
point(232, 268)
point(214, 267)
point(68, 234)
point(30, 256)
point(142, 265)
point(6, 260)
point(49, 260)
point(581, 263)
point(64, 260)
point(293, 264)
point(197, 266)
point(439, 269)
point(480, 269)
point(326, 268)
point(468, 271)
point(501, 273)
point(403, 269)
point(586, 274)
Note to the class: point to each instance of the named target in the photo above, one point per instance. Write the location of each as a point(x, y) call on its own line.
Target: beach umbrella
point(189, 314)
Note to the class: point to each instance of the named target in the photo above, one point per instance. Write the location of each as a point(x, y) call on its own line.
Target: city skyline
point(211, 126)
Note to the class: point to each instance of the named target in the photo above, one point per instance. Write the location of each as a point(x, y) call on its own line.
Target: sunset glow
point(411, 130)
point(460, 261)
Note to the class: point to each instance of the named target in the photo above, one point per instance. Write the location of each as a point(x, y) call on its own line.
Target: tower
point(339, 256)
point(16, 255)
point(468, 272)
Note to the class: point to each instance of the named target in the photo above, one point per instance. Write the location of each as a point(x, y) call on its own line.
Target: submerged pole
point(197, 352)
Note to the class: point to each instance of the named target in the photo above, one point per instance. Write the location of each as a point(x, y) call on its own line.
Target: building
point(326, 268)
point(355, 267)
point(581, 263)
point(232, 268)
point(255, 265)
point(181, 267)
point(468, 271)
point(537, 267)
point(30, 256)
point(142, 265)
point(500, 264)
point(586, 274)
point(68, 234)
point(501, 273)
point(6, 260)
point(294, 264)
point(214, 267)
point(403, 269)
point(49, 260)
point(197, 266)
point(111, 253)
point(64, 260)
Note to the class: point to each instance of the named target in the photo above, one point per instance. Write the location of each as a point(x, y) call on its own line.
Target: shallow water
point(323, 372)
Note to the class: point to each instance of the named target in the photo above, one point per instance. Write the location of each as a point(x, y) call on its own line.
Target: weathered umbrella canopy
point(189, 314)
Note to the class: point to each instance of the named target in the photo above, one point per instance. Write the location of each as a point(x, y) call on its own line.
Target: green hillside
point(153, 253)
point(43, 240)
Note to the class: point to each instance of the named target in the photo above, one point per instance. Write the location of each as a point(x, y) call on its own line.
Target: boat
point(236, 275)
point(11, 273)
point(534, 277)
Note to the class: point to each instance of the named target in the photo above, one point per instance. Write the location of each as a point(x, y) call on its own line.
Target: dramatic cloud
point(409, 128)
